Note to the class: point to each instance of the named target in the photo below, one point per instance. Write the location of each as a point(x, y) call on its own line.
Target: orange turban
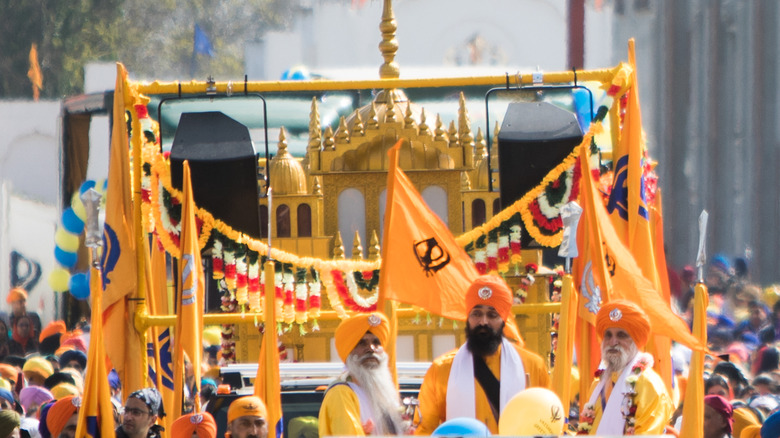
point(751, 432)
point(60, 412)
point(16, 294)
point(351, 330)
point(249, 405)
point(624, 315)
point(9, 372)
point(490, 290)
point(203, 424)
point(52, 329)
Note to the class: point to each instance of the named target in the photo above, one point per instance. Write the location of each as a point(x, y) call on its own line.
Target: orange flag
point(96, 416)
point(267, 382)
point(34, 73)
point(188, 334)
point(693, 410)
point(119, 258)
point(606, 270)
point(421, 262)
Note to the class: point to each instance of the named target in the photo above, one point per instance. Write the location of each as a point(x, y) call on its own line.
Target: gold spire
point(453, 135)
point(373, 248)
point(342, 133)
point(287, 175)
point(424, 129)
point(438, 131)
point(389, 45)
point(338, 247)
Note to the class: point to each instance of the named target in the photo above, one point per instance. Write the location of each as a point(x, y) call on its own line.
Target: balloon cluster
point(67, 240)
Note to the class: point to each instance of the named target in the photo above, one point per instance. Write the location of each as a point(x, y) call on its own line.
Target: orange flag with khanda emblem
point(188, 334)
point(422, 264)
point(606, 270)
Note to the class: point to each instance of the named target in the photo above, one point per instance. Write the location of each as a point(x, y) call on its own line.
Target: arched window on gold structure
point(304, 220)
point(496, 206)
point(264, 221)
point(352, 217)
point(436, 198)
point(283, 221)
point(477, 213)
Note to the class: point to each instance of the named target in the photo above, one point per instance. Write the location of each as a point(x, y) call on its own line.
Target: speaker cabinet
point(534, 138)
point(223, 165)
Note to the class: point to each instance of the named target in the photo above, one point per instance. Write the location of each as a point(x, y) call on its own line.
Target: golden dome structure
point(287, 175)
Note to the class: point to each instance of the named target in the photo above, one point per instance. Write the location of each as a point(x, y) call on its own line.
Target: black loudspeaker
point(534, 138)
point(223, 165)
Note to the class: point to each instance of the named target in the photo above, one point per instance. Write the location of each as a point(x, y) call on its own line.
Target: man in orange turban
point(364, 400)
point(478, 379)
point(247, 417)
point(17, 298)
point(625, 381)
point(63, 416)
point(201, 425)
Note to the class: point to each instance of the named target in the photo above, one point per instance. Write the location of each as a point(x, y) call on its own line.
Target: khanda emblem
point(431, 256)
point(555, 414)
point(590, 290)
point(618, 198)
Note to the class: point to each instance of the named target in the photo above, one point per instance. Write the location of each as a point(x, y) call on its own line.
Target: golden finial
point(465, 182)
point(389, 45)
point(357, 249)
point(317, 188)
point(438, 131)
point(390, 112)
point(342, 133)
point(329, 143)
point(373, 248)
point(357, 128)
point(315, 131)
point(494, 147)
point(372, 122)
point(424, 129)
point(463, 114)
point(408, 117)
point(453, 134)
point(481, 151)
point(282, 145)
point(338, 247)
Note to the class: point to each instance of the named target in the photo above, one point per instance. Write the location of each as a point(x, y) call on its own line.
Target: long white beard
point(616, 363)
point(378, 384)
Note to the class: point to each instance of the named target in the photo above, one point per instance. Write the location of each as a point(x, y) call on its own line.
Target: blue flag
point(202, 44)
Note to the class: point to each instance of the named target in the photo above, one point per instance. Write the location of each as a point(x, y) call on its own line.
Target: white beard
point(616, 362)
point(377, 383)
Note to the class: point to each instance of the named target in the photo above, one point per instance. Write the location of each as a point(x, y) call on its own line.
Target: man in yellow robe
point(628, 398)
point(364, 400)
point(478, 379)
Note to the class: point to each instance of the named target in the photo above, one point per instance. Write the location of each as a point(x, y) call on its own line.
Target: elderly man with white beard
point(628, 397)
point(364, 400)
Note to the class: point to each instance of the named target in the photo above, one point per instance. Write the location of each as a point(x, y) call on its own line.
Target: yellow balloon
point(534, 411)
point(65, 240)
point(212, 335)
point(58, 280)
point(78, 207)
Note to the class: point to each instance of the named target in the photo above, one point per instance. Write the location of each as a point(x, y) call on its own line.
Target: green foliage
point(153, 38)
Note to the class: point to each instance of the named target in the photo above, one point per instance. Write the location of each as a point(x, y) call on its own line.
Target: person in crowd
point(32, 398)
point(23, 338)
point(142, 409)
point(628, 380)
point(10, 423)
point(363, 401)
point(717, 384)
point(718, 420)
point(5, 340)
point(771, 332)
point(757, 320)
point(200, 425)
point(74, 359)
point(115, 385)
point(479, 379)
point(62, 417)
point(17, 298)
point(247, 417)
point(36, 370)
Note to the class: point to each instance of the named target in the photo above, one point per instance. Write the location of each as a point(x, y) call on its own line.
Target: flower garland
point(628, 407)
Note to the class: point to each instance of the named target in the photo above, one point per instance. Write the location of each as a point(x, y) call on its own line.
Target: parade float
point(498, 180)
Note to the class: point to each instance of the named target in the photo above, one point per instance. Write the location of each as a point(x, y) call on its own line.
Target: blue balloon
point(65, 258)
point(71, 222)
point(462, 427)
point(79, 286)
point(86, 185)
point(582, 107)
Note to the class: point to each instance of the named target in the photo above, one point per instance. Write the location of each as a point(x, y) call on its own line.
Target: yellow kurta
point(433, 392)
point(340, 413)
point(654, 407)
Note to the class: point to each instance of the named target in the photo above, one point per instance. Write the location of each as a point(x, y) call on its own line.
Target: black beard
point(482, 341)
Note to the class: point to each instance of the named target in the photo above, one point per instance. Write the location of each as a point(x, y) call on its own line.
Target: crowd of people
point(42, 374)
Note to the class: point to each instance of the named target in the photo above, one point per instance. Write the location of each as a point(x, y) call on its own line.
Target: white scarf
point(612, 419)
point(366, 412)
point(460, 386)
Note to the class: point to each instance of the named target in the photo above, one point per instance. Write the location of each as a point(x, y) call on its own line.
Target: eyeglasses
point(135, 412)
